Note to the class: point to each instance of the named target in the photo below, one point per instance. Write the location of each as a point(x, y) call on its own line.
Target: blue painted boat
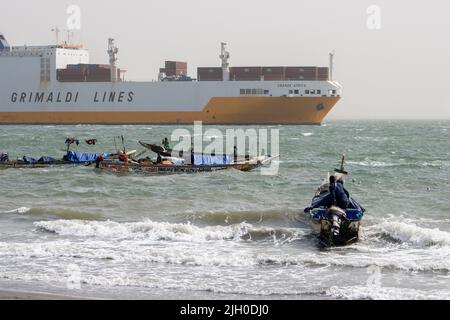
point(332, 224)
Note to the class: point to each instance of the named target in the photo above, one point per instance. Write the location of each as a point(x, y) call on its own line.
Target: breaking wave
point(411, 234)
point(165, 231)
point(385, 293)
point(54, 212)
point(20, 210)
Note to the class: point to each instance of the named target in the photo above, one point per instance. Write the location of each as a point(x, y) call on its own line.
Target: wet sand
point(24, 295)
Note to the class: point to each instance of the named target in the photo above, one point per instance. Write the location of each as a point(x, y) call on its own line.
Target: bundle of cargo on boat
point(71, 158)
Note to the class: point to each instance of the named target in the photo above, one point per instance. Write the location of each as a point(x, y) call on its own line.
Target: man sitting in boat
point(339, 195)
point(123, 157)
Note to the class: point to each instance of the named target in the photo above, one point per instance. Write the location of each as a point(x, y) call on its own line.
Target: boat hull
point(121, 167)
point(219, 110)
point(322, 226)
point(349, 232)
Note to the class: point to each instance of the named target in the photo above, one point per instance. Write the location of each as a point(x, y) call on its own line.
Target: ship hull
point(219, 110)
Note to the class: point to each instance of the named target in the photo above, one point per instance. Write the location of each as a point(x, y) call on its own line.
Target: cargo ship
point(57, 84)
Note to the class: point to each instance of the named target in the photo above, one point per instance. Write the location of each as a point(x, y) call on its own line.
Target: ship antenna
point(331, 64)
point(112, 52)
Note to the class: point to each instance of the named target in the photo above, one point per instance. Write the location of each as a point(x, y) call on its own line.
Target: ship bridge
point(27, 62)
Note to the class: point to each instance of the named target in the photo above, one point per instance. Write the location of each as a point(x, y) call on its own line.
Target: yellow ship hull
point(220, 110)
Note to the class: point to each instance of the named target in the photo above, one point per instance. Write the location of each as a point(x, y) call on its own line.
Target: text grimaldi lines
point(71, 97)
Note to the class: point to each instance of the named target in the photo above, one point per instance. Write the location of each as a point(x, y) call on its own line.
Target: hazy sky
point(399, 71)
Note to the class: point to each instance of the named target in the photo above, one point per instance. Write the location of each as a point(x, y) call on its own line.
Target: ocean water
point(228, 234)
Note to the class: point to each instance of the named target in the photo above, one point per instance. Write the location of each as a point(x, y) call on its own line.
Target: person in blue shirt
point(339, 195)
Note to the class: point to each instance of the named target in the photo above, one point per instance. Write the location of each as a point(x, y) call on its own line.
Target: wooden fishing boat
point(24, 164)
point(333, 225)
point(71, 158)
point(149, 167)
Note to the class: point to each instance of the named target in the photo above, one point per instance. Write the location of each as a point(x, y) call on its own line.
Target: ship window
point(290, 91)
point(260, 91)
point(306, 91)
point(296, 92)
point(334, 91)
point(242, 91)
point(253, 91)
point(313, 91)
point(248, 91)
point(266, 91)
point(319, 92)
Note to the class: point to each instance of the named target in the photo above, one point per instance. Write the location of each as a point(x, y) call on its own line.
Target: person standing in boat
point(166, 144)
point(339, 195)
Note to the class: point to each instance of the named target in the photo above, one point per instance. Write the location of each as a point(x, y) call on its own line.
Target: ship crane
point(225, 56)
point(112, 52)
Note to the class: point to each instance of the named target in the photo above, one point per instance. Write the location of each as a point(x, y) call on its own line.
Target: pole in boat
point(115, 144)
point(341, 170)
point(123, 144)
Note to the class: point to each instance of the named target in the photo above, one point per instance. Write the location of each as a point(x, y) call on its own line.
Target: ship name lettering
point(113, 96)
point(41, 97)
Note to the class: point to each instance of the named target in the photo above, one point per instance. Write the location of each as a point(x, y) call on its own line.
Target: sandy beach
point(30, 295)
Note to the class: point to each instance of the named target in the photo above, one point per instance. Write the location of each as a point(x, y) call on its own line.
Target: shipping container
point(237, 77)
point(273, 73)
point(175, 68)
point(209, 74)
point(71, 79)
point(274, 77)
point(256, 71)
point(245, 73)
point(323, 74)
point(301, 73)
point(273, 70)
point(173, 65)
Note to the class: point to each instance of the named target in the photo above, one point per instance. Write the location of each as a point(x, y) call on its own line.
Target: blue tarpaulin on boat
point(80, 157)
point(208, 160)
point(352, 214)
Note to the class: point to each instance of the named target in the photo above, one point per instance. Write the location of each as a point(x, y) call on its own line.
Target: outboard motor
point(336, 215)
point(4, 45)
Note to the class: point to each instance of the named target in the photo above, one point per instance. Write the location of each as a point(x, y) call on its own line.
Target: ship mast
point(56, 31)
point(112, 52)
point(331, 64)
point(224, 56)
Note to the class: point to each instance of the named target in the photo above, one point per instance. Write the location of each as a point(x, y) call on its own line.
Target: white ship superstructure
point(57, 84)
